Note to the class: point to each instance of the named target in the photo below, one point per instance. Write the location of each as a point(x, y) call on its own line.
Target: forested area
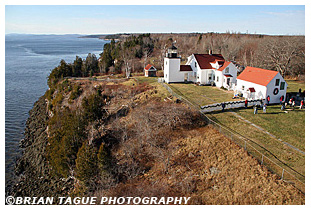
point(131, 53)
point(285, 54)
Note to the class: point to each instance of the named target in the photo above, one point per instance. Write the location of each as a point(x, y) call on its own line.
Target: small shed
point(150, 71)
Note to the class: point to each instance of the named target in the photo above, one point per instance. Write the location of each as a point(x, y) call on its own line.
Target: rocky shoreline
point(32, 169)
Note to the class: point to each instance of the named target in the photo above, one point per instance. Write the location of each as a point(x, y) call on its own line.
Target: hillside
point(126, 137)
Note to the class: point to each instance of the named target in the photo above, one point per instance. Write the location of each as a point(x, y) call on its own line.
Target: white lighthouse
point(172, 66)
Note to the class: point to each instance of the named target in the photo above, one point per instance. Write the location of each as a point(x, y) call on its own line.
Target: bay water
point(28, 61)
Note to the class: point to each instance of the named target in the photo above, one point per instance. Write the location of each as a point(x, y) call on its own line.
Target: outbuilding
point(257, 83)
point(150, 71)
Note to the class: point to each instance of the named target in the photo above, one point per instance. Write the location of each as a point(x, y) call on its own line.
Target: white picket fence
point(228, 105)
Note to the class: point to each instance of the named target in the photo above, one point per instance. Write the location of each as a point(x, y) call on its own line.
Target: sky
point(108, 19)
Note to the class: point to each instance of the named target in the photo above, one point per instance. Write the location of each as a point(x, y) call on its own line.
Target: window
point(209, 76)
point(227, 70)
point(165, 75)
point(195, 64)
point(277, 82)
point(243, 87)
point(217, 78)
point(213, 77)
point(282, 86)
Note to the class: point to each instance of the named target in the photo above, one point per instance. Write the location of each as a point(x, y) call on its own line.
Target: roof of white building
point(205, 60)
point(149, 67)
point(185, 68)
point(257, 75)
point(226, 63)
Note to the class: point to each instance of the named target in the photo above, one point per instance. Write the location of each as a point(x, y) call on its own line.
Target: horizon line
point(98, 34)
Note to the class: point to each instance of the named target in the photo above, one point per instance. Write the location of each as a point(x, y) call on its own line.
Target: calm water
point(28, 61)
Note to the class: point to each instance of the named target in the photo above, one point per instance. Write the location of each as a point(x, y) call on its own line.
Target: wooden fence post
point(282, 174)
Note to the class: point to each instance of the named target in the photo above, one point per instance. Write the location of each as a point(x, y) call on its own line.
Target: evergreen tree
point(86, 163)
point(77, 67)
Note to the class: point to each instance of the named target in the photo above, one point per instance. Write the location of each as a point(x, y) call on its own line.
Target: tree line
point(79, 68)
point(285, 54)
point(132, 53)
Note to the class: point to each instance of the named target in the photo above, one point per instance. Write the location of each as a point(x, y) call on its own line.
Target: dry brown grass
point(164, 153)
point(209, 168)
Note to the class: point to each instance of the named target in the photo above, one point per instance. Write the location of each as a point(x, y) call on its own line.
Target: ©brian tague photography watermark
point(10, 200)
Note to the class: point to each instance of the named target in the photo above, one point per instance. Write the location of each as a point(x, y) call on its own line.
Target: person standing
point(281, 99)
point(268, 100)
point(264, 108)
point(223, 105)
point(255, 109)
point(290, 102)
point(293, 104)
point(246, 102)
point(283, 105)
point(261, 103)
point(301, 104)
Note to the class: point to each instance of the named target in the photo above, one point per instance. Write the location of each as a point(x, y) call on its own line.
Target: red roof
point(185, 68)
point(257, 75)
point(204, 60)
point(224, 66)
point(149, 66)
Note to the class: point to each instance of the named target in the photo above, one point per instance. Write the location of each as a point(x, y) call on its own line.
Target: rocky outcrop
point(33, 168)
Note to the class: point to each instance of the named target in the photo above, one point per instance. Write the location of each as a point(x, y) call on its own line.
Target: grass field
point(293, 85)
point(286, 126)
point(263, 142)
point(290, 127)
point(202, 95)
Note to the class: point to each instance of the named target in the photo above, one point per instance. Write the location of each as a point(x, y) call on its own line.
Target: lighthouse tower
point(172, 66)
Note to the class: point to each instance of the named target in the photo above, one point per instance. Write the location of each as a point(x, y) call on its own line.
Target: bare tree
point(127, 56)
point(162, 54)
point(279, 53)
point(148, 49)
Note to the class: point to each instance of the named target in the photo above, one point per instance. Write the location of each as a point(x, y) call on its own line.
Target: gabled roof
point(185, 68)
point(149, 66)
point(257, 75)
point(204, 60)
point(226, 63)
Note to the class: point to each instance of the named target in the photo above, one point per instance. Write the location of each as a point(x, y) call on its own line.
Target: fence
point(228, 105)
point(284, 172)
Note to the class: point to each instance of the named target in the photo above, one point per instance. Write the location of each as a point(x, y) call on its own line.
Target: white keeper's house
point(204, 69)
point(257, 83)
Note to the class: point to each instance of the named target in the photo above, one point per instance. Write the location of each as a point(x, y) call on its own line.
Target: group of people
point(292, 103)
point(263, 105)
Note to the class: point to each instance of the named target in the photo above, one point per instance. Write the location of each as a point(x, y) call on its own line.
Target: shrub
point(66, 137)
point(58, 99)
point(76, 92)
point(93, 107)
point(86, 163)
